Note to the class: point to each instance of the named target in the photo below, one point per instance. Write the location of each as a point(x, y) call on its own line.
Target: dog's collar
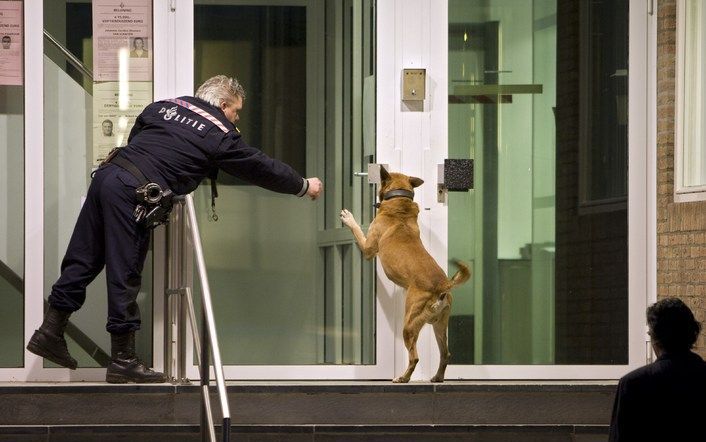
point(397, 193)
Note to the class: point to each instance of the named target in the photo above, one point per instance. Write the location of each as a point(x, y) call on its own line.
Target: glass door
point(502, 92)
point(292, 294)
point(92, 91)
point(539, 105)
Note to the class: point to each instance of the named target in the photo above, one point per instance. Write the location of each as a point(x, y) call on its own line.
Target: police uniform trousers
point(106, 234)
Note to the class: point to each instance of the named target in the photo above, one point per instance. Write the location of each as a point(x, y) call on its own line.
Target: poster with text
point(11, 49)
point(114, 112)
point(122, 40)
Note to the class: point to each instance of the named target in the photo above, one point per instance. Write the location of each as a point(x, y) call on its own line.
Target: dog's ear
point(384, 174)
point(415, 182)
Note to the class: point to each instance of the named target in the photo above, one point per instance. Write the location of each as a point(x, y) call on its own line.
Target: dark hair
point(672, 325)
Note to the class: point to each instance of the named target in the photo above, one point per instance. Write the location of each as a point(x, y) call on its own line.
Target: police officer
point(172, 147)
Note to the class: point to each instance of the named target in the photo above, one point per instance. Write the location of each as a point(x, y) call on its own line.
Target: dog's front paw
point(437, 379)
point(347, 218)
point(400, 380)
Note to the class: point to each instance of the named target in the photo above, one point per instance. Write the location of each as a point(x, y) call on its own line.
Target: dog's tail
point(462, 275)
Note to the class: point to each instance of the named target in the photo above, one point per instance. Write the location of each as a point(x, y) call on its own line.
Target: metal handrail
point(185, 307)
point(71, 58)
point(208, 324)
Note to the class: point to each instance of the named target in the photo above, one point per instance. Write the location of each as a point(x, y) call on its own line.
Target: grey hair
point(219, 89)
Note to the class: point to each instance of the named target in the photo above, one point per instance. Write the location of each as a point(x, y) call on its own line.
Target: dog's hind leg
point(410, 341)
point(414, 322)
point(441, 332)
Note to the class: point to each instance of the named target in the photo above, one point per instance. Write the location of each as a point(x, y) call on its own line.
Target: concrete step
point(312, 411)
point(308, 433)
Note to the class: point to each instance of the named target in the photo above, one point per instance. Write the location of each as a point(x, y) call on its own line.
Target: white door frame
point(414, 142)
point(413, 34)
point(33, 190)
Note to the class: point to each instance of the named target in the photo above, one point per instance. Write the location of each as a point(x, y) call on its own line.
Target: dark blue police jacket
point(178, 147)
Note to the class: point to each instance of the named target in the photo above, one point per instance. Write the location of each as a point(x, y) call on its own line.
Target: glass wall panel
point(75, 107)
point(289, 286)
point(550, 270)
point(12, 181)
point(691, 75)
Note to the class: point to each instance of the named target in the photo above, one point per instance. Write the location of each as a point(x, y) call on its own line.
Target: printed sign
point(114, 112)
point(12, 47)
point(122, 40)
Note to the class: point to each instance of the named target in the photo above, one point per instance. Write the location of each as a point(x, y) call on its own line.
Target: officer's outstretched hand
point(315, 188)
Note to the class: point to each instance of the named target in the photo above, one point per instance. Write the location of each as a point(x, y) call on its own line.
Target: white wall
point(411, 139)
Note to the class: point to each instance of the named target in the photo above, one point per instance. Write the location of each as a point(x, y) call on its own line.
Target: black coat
point(662, 401)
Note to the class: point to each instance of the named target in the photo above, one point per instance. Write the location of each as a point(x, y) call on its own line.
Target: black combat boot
point(48, 342)
point(126, 366)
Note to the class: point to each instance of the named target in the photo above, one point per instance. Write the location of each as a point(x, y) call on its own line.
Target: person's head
point(138, 43)
point(107, 127)
point(6, 40)
point(672, 326)
point(225, 93)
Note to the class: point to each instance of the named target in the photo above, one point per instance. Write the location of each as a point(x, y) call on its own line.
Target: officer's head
point(6, 40)
point(225, 93)
point(107, 128)
point(138, 43)
point(672, 326)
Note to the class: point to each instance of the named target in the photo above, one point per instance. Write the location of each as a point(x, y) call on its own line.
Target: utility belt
point(153, 204)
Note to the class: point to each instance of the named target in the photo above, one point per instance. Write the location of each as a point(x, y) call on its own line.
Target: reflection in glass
point(550, 283)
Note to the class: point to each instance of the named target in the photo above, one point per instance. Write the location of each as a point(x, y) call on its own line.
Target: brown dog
point(394, 237)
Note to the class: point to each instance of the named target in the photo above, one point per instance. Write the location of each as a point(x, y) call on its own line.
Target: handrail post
point(182, 301)
point(205, 375)
point(176, 305)
point(171, 285)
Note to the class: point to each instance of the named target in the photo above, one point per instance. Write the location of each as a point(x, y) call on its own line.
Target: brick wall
point(681, 227)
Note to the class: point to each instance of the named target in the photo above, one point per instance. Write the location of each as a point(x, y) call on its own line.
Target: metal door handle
point(373, 173)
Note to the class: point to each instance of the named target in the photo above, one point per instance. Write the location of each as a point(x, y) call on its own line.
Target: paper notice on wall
point(12, 46)
point(116, 105)
point(122, 40)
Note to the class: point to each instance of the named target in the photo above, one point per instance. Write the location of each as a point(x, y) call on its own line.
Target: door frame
point(416, 140)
